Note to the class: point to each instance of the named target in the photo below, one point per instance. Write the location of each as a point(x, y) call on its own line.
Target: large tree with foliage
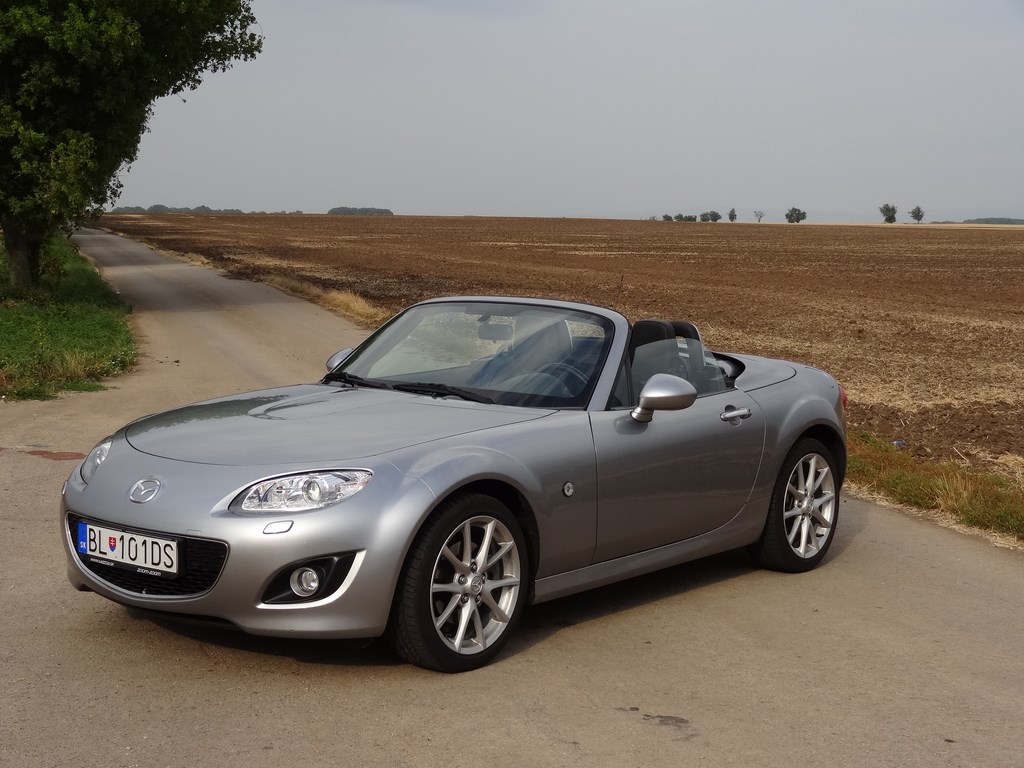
point(794, 215)
point(888, 211)
point(917, 213)
point(77, 82)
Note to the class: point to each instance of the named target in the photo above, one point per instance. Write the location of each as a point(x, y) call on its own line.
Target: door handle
point(731, 414)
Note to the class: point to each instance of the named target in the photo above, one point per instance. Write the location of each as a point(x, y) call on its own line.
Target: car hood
point(314, 424)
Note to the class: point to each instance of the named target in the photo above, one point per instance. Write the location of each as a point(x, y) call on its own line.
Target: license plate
point(138, 552)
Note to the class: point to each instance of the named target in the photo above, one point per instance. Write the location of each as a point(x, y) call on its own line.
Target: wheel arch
point(828, 436)
point(537, 470)
point(517, 504)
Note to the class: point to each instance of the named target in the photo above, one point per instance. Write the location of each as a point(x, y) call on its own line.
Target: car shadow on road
point(350, 653)
point(539, 622)
point(542, 621)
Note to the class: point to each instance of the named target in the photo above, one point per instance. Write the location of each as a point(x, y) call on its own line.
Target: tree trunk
point(23, 253)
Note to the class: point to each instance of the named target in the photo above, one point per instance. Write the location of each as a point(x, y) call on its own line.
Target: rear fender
point(789, 414)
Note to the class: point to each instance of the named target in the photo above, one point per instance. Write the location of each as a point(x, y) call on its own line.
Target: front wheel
point(463, 587)
point(803, 512)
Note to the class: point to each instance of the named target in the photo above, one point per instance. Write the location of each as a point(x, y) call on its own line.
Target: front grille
point(200, 562)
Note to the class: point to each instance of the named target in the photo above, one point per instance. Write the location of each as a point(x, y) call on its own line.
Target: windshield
point(512, 354)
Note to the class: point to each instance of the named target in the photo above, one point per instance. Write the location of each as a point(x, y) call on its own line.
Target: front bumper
point(371, 531)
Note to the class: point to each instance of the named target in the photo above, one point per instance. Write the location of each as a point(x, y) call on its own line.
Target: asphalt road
point(905, 648)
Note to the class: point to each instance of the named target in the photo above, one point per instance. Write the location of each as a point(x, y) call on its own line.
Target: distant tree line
point(343, 211)
point(793, 216)
point(346, 211)
point(170, 209)
point(711, 216)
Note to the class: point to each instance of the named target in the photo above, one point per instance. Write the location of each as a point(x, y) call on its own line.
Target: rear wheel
point(803, 512)
point(463, 587)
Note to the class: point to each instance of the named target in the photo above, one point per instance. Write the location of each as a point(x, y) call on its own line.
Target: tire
point(803, 512)
point(453, 612)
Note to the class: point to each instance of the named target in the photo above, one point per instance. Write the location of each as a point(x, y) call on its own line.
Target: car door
point(682, 474)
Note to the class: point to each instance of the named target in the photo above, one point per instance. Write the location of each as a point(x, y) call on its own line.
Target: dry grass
point(966, 495)
point(345, 303)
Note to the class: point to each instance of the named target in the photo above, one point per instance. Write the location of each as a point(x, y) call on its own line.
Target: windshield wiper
point(356, 381)
point(425, 388)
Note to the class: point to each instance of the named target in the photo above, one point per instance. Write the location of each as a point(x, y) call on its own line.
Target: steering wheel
point(552, 369)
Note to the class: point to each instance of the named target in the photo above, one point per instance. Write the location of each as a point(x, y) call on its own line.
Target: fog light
point(304, 581)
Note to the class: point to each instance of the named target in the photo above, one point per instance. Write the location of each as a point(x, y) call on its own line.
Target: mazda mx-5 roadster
point(472, 456)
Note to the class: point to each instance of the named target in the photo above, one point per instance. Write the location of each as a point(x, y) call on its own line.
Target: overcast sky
point(597, 108)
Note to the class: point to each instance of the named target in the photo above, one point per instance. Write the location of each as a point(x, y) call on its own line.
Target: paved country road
point(905, 648)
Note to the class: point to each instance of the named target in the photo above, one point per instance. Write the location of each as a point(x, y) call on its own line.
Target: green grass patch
point(974, 497)
point(67, 334)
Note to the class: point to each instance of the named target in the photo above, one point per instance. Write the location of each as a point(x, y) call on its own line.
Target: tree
point(345, 210)
point(795, 215)
point(732, 214)
point(916, 213)
point(888, 212)
point(79, 80)
point(667, 217)
point(710, 216)
point(759, 215)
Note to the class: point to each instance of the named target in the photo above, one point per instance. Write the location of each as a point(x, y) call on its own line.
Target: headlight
point(92, 462)
point(301, 493)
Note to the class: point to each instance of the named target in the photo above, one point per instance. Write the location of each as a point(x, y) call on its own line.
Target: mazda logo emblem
point(144, 490)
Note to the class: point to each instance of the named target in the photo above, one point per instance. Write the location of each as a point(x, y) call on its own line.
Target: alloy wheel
point(810, 505)
point(475, 585)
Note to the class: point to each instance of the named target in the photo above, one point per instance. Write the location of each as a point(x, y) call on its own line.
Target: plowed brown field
point(924, 325)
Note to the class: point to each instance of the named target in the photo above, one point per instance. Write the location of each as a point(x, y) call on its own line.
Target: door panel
point(683, 474)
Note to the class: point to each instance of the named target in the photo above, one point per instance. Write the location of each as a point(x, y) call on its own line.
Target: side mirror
point(663, 392)
point(334, 360)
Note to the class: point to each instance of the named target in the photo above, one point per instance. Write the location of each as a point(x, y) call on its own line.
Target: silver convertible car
point(472, 456)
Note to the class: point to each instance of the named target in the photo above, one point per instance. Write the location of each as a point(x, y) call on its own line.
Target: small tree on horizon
point(917, 213)
point(795, 215)
point(667, 217)
point(732, 214)
point(888, 211)
point(759, 215)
